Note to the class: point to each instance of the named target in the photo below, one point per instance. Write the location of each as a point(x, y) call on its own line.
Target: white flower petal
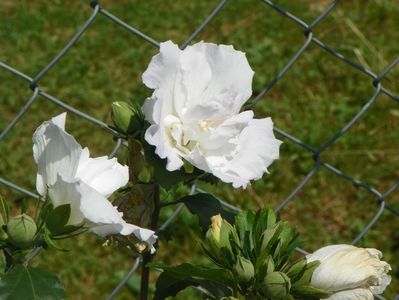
point(196, 76)
point(325, 252)
point(163, 67)
point(355, 294)
point(161, 75)
point(56, 153)
point(156, 137)
point(226, 132)
point(97, 210)
point(103, 218)
point(257, 149)
point(148, 110)
point(231, 83)
point(385, 280)
point(146, 235)
point(63, 192)
point(102, 174)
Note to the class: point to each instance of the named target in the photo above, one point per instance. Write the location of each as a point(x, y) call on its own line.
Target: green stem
point(9, 261)
point(169, 203)
point(145, 272)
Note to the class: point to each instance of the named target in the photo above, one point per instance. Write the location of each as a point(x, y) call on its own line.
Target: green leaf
point(264, 219)
point(27, 283)
point(51, 243)
point(206, 206)
point(296, 271)
point(309, 293)
point(307, 274)
point(58, 218)
point(268, 239)
point(174, 279)
point(243, 223)
point(188, 270)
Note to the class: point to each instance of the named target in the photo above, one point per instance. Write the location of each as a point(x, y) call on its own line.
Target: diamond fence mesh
point(33, 82)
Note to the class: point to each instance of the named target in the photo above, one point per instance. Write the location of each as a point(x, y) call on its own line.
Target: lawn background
point(317, 96)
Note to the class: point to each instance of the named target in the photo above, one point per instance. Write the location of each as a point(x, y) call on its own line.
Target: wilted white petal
point(355, 294)
point(385, 280)
point(374, 252)
point(195, 113)
point(56, 153)
point(346, 267)
point(102, 174)
point(146, 235)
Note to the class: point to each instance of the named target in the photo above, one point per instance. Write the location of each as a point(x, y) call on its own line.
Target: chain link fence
point(375, 81)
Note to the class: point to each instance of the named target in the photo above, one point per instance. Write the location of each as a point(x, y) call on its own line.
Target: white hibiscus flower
point(70, 176)
point(195, 113)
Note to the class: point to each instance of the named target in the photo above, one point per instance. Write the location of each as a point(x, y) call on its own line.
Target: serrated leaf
point(206, 206)
point(27, 283)
point(174, 279)
point(58, 218)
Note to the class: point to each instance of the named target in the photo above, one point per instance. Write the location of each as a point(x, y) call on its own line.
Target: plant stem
point(170, 203)
point(145, 272)
point(145, 275)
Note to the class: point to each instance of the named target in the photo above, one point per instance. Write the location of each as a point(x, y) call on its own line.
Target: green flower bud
point(219, 233)
point(126, 117)
point(244, 270)
point(21, 230)
point(213, 234)
point(276, 285)
point(219, 241)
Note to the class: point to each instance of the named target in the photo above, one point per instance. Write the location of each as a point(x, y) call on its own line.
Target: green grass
point(317, 96)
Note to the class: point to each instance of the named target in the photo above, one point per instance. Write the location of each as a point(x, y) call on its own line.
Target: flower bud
point(214, 230)
point(126, 116)
point(244, 270)
point(218, 235)
point(21, 230)
point(348, 271)
point(276, 285)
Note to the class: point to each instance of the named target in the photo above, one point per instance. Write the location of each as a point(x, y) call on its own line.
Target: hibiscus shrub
point(191, 129)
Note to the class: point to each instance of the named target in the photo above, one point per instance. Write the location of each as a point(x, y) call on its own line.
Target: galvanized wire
point(375, 82)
